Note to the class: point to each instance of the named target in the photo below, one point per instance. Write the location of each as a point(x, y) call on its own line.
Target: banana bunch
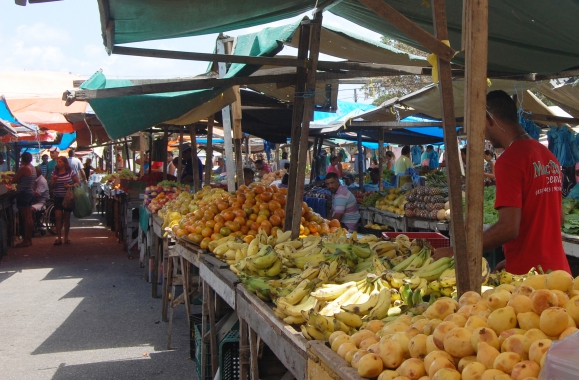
point(385, 249)
point(433, 271)
point(231, 251)
point(264, 263)
point(419, 257)
point(257, 285)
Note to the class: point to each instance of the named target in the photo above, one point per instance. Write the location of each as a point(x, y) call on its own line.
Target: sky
point(65, 36)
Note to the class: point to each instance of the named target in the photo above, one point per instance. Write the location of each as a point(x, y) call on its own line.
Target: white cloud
point(42, 33)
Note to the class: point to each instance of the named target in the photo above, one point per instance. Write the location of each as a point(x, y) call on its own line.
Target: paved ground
point(83, 311)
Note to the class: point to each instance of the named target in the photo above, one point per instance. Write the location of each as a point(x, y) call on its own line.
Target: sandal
point(58, 242)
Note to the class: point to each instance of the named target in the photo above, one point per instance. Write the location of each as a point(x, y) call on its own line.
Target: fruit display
point(503, 334)
point(163, 192)
point(571, 213)
point(269, 178)
point(436, 178)
point(367, 199)
point(377, 227)
point(427, 203)
point(6, 177)
point(211, 214)
point(491, 215)
point(394, 201)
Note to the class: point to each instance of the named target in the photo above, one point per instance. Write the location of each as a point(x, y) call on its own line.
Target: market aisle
point(83, 311)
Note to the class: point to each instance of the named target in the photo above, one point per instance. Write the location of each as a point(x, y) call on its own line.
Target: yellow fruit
point(559, 280)
point(506, 361)
point(375, 326)
point(388, 374)
point(417, 346)
point(474, 321)
point(536, 282)
point(523, 290)
point(412, 368)
point(473, 371)
point(502, 319)
point(339, 340)
point(529, 320)
point(576, 283)
point(350, 355)
point(345, 348)
point(357, 356)
point(361, 335)
point(499, 299)
point(486, 354)
point(543, 299)
point(538, 348)
point(431, 357)
point(514, 343)
point(411, 332)
point(334, 335)
point(441, 308)
point(366, 343)
point(562, 297)
point(420, 324)
point(457, 342)
point(469, 298)
point(430, 345)
point(572, 307)
point(447, 374)
point(553, 321)
point(391, 353)
point(521, 303)
point(525, 369)
point(438, 364)
point(493, 374)
point(458, 318)
point(568, 331)
point(440, 331)
point(403, 341)
point(370, 365)
point(462, 363)
point(431, 325)
point(486, 335)
point(531, 336)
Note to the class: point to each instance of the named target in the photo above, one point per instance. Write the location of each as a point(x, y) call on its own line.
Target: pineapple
point(439, 206)
point(438, 199)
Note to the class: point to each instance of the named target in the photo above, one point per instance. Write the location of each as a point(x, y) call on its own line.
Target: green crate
point(228, 355)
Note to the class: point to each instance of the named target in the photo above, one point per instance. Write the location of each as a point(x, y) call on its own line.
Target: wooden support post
point(223, 48)
point(204, 328)
point(360, 163)
point(213, 334)
point(155, 271)
point(475, 14)
point(128, 160)
point(254, 351)
point(381, 151)
point(237, 135)
point(247, 148)
point(150, 152)
point(308, 115)
point(180, 161)
point(209, 151)
point(458, 235)
point(243, 350)
point(165, 142)
point(194, 159)
point(314, 155)
point(297, 115)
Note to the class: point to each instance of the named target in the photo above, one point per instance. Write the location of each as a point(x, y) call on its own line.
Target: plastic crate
point(228, 355)
point(435, 239)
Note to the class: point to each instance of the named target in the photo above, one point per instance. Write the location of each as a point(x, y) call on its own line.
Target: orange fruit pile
point(243, 214)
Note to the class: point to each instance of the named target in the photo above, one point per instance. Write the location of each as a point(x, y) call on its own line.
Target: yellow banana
point(324, 273)
point(352, 277)
point(349, 319)
point(341, 326)
point(298, 293)
point(232, 244)
point(220, 250)
point(305, 333)
point(389, 254)
point(380, 311)
point(265, 261)
point(363, 308)
point(228, 255)
point(333, 292)
point(239, 255)
point(324, 323)
point(334, 264)
point(334, 306)
point(383, 246)
point(291, 320)
point(314, 333)
point(368, 239)
point(253, 248)
point(296, 310)
point(271, 241)
point(275, 269)
point(282, 236)
point(234, 270)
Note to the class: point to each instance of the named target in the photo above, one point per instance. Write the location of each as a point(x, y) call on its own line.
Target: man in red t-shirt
point(528, 179)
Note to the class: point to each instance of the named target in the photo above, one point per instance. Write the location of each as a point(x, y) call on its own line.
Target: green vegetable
point(371, 199)
point(168, 183)
point(491, 216)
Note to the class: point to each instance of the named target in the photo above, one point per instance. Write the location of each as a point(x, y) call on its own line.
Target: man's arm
point(338, 216)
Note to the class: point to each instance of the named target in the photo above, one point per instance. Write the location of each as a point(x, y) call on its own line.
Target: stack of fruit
point(269, 178)
point(376, 226)
point(163, 192)
point(394, 201)
point(427, 203)
point(503, 334)
point(211, 214)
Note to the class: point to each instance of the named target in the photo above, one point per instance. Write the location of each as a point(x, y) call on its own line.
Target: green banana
point(362, 251)
point(434, 270)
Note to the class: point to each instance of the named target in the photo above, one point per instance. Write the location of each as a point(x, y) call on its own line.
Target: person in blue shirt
point(374, 184)
point(187, 175)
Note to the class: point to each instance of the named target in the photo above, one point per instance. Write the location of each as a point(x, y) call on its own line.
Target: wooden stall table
point(325, 364)
point(257, 319)
point(571, 245)
point(7, 222)
point(398, 222)
point(156, 253)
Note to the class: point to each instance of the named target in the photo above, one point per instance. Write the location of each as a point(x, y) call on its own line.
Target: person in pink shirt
point(333, 167)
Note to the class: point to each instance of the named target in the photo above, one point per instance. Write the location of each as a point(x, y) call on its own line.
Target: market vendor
point(374, 184)
point(187, 175)
point(344, 205)
point(528, 179)
point(262, 168)
point(248, 176)
point(350, 182)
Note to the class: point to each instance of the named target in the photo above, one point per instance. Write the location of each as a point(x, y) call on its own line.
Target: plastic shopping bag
point(82, 206)
point(561, 362)
point(68, 201)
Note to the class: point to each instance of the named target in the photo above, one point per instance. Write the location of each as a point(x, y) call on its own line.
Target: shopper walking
point(63, 178)
point(25, 179)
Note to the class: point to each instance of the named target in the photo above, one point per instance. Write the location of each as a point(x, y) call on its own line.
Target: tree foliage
point(384, 88)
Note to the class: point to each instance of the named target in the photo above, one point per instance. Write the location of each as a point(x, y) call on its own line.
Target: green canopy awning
point(125, 115)
point(524, 36)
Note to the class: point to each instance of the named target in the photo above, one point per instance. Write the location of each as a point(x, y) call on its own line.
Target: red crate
point(434, 238)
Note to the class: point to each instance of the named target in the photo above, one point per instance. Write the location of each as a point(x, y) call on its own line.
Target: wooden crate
point(325, 364)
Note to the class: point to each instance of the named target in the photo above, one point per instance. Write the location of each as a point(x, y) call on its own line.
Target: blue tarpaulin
point(560, 144)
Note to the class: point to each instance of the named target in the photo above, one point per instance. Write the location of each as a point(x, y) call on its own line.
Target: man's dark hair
point(463, 150)
point(374, 171)
point(285, 179)
point(286, 166)
point(284, 156)
point(502, 106)
point(71, 153)
point(248, 171)
point(259, 162)
point(389, 154)
point(429, 147)
point(26, 157)
point(406, 149)
point(331, 175)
